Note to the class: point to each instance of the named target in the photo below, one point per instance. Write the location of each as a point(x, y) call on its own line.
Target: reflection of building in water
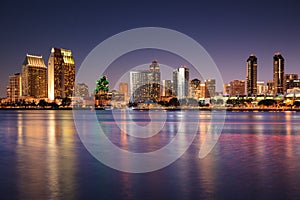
point(45, 153)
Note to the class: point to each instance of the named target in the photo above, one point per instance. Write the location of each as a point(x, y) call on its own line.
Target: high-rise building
point(181, 82)
point(154, 81)
point(139, 86)
point(14, 89)
point(145, 84)
point(166, 88)
point(82, 90)
point(194, 90)
point(211, 87)
point(34, 77)
point(251, 75)
point(237, 87)
point(278, 74)
point(61, 74)
point(123, 89)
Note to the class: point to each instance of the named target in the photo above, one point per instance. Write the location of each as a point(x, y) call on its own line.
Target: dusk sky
point(229, 30)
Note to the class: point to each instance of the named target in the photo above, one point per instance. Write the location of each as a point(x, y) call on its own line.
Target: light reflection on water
point(256, 157)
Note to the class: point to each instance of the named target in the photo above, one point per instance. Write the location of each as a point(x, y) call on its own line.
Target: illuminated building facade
point(145, 84)
point(61, 74)
point(291, 81)
point(123, 89)
point(278, 74)
point(139, 86)
point(82, 90)
point(251, 75)
point(237, 87)
point(261, 88)
point(154, 81)
point(211, 87)
point(166, 88)
point(181, 82)
point(195, 91)
point(226, 89)
point(14, 89)
point(34, 77)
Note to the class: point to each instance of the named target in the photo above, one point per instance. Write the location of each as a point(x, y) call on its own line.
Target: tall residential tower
point(278, 74)
point(61, 74)
point(181, 82)
point(34, 77)
point(251, 75)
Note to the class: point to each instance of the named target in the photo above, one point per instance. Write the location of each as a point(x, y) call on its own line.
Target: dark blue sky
point(228, 30)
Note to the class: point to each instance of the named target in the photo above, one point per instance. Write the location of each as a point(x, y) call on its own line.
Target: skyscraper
point(154, 81)
point(14, 89)
point(34, 77)
point(61, 74)
point(211, 87)
point(181, 82)
point(145, 84)
point(251, 75)
point(278, 74)
point(139, 86)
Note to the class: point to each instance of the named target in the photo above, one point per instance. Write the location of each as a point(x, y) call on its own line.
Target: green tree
point(174, 102)
point(66, 102)
point(102, 85)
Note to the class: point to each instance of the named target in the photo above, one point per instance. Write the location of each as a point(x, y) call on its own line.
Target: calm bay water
point(257, 157)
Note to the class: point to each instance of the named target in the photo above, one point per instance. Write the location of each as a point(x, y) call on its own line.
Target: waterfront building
point(211, 87)
point(261, 88)
point(226, 89)
point(14, 89)
point(270, 87)
point(82, 90)
point(61, 74)
point(154, 81)
point(237, 88)
point(145, 84)
point(123, 89)
point(195, 91)
point(139, 86)
point(291, 81)
point(251, 75)
point(278, 74)
point(166, 88)
point(204, 93)
point(34, 77)
point(181, 82)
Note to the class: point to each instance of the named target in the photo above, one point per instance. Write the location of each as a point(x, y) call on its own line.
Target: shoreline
point(176, 109)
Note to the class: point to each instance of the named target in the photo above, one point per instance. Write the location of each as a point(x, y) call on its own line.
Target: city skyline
point(221, 27)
